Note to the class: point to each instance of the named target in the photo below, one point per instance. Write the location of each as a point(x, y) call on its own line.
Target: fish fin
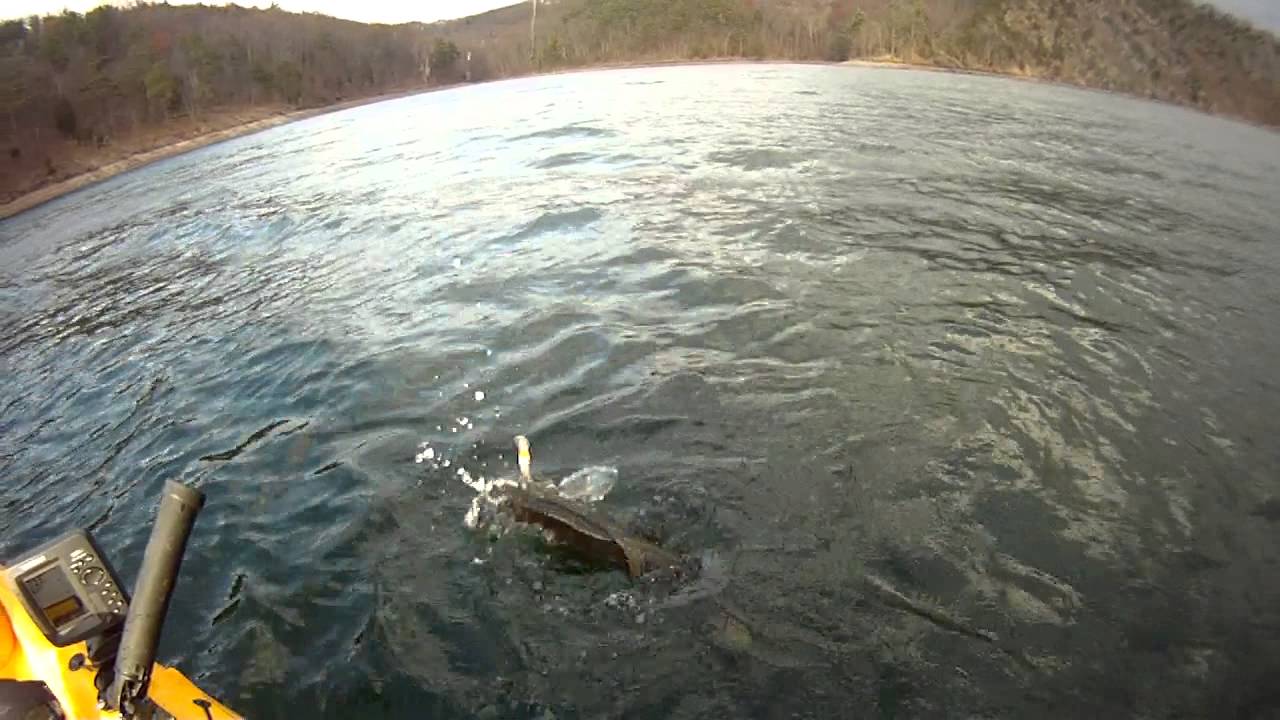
point(635, 559)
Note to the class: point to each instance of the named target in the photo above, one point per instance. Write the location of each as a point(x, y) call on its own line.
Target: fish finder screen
point(64, 611)
point(55, 596)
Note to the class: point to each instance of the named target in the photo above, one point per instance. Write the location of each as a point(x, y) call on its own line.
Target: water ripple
point(883, 346)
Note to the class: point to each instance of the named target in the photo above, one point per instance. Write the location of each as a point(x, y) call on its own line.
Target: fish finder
point(70, 590)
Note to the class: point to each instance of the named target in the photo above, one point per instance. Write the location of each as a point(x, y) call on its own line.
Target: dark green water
point(1009, 349)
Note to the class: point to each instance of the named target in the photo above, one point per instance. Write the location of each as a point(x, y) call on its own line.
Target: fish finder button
point(93, 575)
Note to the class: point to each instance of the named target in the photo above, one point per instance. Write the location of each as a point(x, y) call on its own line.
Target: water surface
point(1006, 348)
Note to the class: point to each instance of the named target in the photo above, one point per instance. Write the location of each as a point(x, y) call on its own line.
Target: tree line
point(91, 76)
point(74, 80)
point(71, 81)
point(1175, 50)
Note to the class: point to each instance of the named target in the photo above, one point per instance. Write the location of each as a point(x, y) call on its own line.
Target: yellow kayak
point(74, 645)
point(26, 655)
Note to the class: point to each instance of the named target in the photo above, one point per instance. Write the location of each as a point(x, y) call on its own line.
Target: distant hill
point(76, 89)
point(1175, 50)
point(81, 90)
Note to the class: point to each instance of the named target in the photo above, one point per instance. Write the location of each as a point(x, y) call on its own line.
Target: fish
point(571, 524)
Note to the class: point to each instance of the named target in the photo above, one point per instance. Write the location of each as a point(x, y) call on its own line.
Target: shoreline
point(52, 191)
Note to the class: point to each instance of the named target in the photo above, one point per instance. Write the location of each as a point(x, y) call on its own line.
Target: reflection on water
point(961, 388)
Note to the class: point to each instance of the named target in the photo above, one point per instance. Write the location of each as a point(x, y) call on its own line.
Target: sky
point(1263, 13)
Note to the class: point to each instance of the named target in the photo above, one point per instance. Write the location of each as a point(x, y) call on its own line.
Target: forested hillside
point(1175, 50)
point(73, 85)
point(77, 88)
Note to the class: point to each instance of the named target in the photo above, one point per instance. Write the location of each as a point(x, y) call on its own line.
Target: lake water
point(1006, 349)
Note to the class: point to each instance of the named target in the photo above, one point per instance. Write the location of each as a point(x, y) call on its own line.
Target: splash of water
point(590, 484)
